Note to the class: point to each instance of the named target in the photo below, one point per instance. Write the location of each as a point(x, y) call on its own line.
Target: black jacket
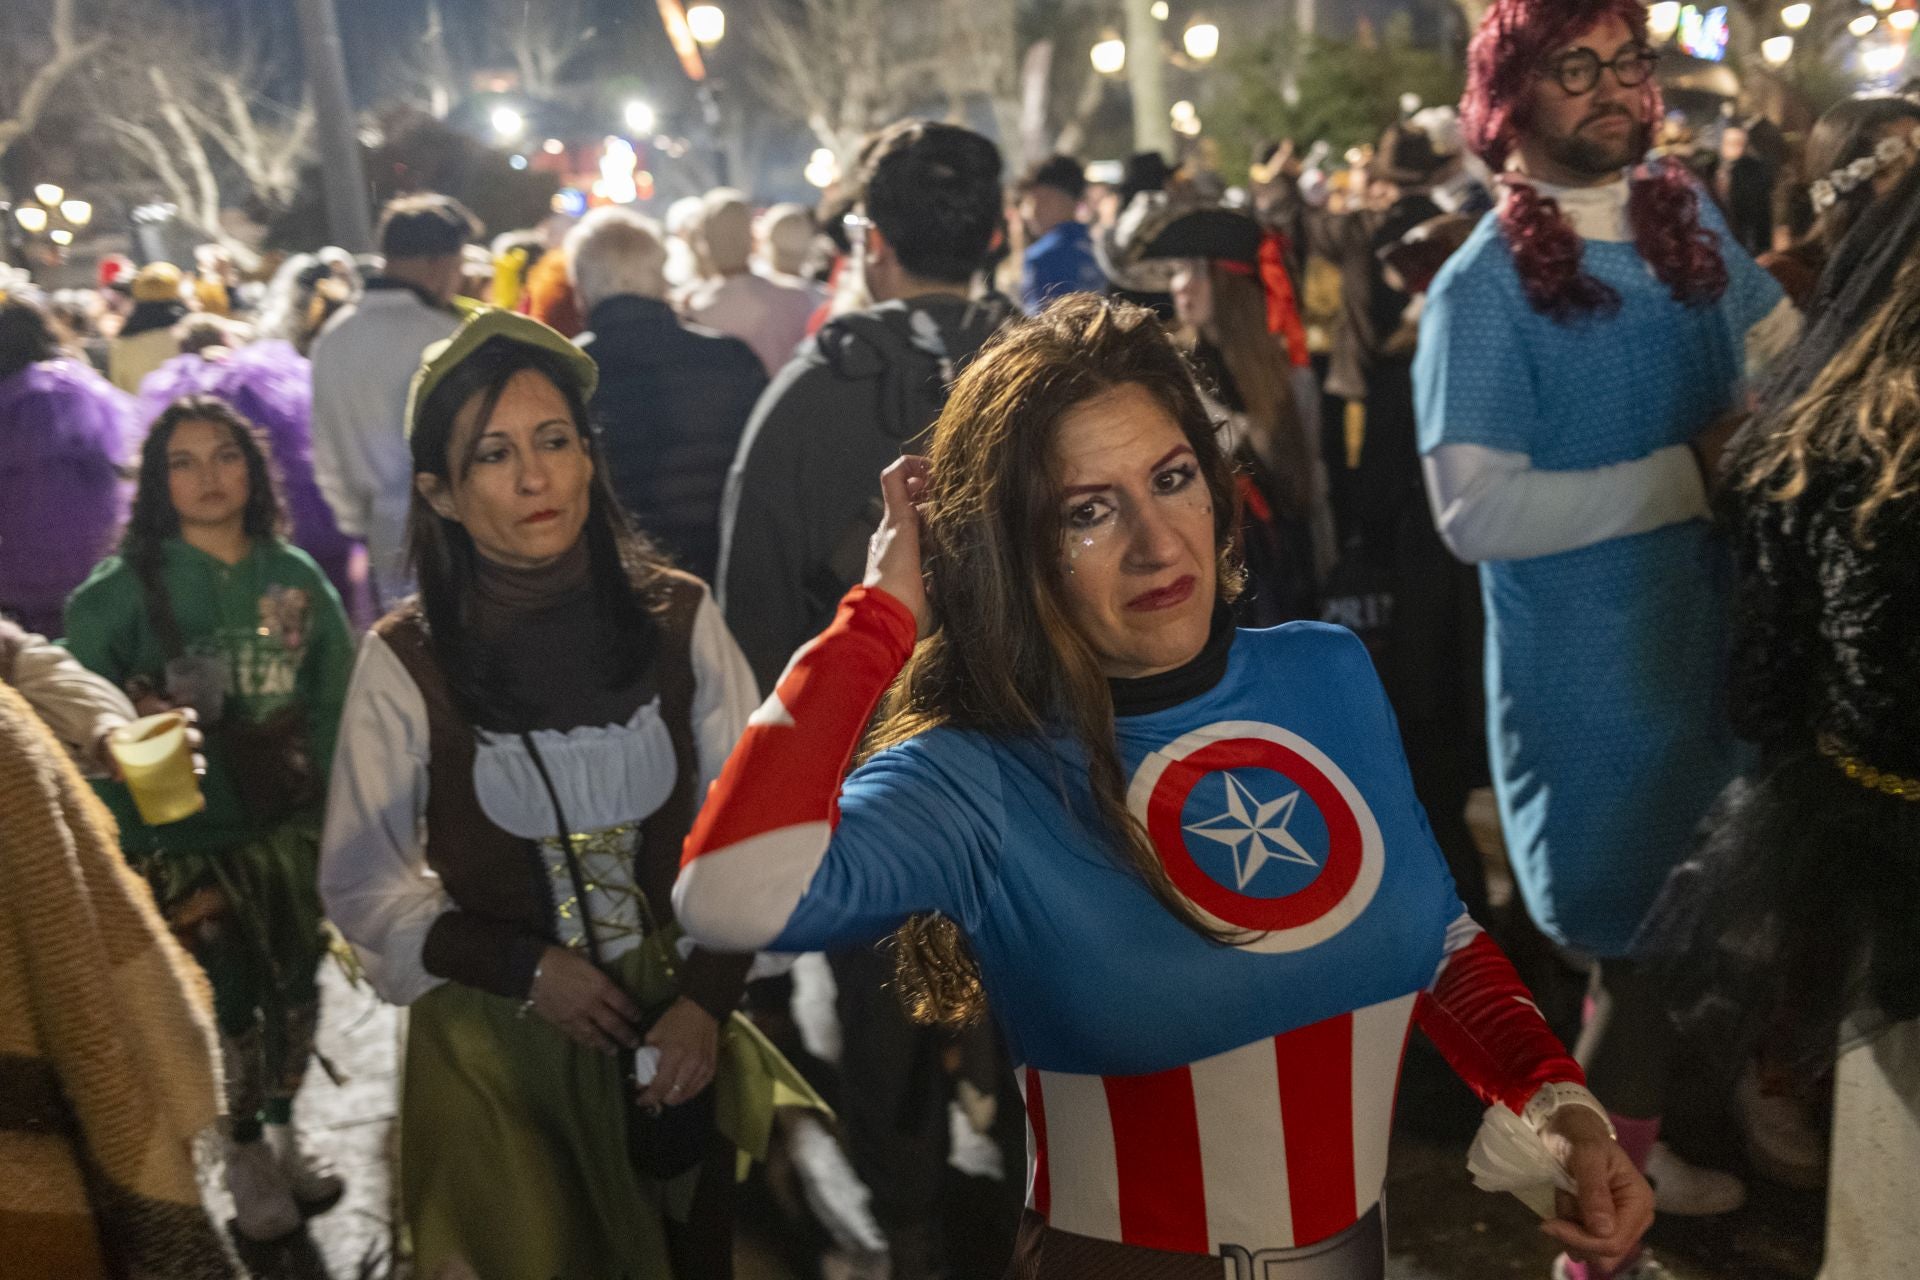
point(672, 401)
point(1826, 632)
point(804, 493)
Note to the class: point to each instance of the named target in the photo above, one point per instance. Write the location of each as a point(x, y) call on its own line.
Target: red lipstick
point(1177, 592)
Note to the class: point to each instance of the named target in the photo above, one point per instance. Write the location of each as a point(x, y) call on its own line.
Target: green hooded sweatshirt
point(274, 623)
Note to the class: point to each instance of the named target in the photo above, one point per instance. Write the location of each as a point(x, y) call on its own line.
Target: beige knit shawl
point(108, 1056)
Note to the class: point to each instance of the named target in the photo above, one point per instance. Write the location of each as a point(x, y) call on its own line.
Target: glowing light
point(507, 122)
point(1777, 50)
point(822, 169)
point(1863, 25)
point(707, 23)
point(1796, 16)
point(1663, 19)
point(1883, 60)
point(1883, 5)
point(641, 118)
point(78, 212)
point(49, 194)
point(553, 146)
point(1159, 10)
point(1183, 110)
point(61, 236)
point(1903, 19)
point(617, 165)
point(1109, 56)
point(1202, 41)
point(516, 162)
point(32, 218)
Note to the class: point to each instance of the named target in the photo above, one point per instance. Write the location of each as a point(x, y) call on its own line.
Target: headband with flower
point(1826, 192)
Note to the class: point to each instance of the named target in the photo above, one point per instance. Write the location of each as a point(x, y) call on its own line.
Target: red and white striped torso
point(1274, 1145)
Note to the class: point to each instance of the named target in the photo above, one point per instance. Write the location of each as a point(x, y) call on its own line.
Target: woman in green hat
point(523, 749)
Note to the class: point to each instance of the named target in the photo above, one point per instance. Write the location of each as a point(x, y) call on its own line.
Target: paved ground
point(1439, 1226)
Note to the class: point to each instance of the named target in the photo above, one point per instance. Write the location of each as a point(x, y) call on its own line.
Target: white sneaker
point(314, 1184)
point(1644, 1267)
point(1781, 1142)
point(263, 1207)
point(1688, 1191)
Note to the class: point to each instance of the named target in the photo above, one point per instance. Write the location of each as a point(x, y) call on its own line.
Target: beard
point(1594, 158)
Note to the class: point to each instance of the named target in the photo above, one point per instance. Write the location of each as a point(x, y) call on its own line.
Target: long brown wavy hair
point(1257, 362)
point(1863, 410)
point(1003, 656)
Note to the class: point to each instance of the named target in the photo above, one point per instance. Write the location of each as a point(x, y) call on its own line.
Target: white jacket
point(362, 365)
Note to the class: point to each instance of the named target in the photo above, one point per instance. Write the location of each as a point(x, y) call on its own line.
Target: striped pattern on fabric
point(1277, 1144)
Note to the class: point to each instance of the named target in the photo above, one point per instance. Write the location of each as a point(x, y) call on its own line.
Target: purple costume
point(271, 385)
point(65, 434)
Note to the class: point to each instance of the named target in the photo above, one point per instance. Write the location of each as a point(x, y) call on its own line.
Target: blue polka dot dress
point(1604, 664)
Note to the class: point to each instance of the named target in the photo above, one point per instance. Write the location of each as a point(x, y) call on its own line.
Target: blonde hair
point(1863, 410)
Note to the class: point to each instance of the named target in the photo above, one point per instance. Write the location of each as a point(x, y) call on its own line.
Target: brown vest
point(498, 881)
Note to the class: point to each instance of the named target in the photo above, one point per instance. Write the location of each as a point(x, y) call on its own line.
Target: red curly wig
point(1514, 39)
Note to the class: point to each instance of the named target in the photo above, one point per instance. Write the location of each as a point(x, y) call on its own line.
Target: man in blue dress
point(1582, 360)
point(1059, 257)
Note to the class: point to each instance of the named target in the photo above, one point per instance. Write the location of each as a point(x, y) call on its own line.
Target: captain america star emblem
point(1293, 853)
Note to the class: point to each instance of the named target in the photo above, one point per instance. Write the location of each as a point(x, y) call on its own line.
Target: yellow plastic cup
point(157, 764)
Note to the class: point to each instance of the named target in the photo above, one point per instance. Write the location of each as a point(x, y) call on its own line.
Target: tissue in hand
point(1507, 1155)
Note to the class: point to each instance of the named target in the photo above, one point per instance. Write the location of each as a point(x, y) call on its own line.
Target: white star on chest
point(1262, 828)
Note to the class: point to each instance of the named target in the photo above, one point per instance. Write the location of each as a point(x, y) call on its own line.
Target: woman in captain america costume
point(1187, 860)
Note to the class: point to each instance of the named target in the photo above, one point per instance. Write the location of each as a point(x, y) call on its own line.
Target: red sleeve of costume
point(1486, 1025)
point(767, 822)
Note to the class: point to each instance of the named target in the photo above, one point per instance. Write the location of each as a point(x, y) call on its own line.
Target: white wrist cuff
point(1551, 1098)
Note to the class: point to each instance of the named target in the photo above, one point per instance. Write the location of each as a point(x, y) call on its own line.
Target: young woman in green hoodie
point(208, 607)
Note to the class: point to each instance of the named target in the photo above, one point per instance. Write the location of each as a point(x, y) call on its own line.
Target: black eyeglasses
point(1578, 71)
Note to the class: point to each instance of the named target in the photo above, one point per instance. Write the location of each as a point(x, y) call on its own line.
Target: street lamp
point(1903, 19)
point(1796, 16)
point(822, 169)
point(1663, 19)
point(708, 24)
point(32, 218)
point(48, 194)
point(1109, 55)
point(642, 120)
point(1202, 41)
point(507, 123)
point(1863, 25)
point(1776, 50)
point(1883, 60)
point(1159, 10)
point(78, 212)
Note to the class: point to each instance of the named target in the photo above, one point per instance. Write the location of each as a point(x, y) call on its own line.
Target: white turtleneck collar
point(1596, 213)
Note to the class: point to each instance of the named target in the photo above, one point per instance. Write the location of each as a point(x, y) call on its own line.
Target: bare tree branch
point(70, 51)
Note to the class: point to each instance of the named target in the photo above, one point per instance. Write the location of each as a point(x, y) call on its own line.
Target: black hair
point(626, 569)
point(933, 190)
point(428, 226)
point(1061, 172)
point(154, 519)
point(26, 336)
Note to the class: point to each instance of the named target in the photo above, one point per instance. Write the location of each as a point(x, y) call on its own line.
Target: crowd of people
point(970, 695)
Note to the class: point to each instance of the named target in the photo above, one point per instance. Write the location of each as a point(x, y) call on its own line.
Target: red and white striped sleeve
point(1482, 1019)
point(770, 818)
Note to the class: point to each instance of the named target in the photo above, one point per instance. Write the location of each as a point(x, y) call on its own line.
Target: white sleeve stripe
point(740, 896)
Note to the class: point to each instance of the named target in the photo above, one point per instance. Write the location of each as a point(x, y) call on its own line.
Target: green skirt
point(513, 1139)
